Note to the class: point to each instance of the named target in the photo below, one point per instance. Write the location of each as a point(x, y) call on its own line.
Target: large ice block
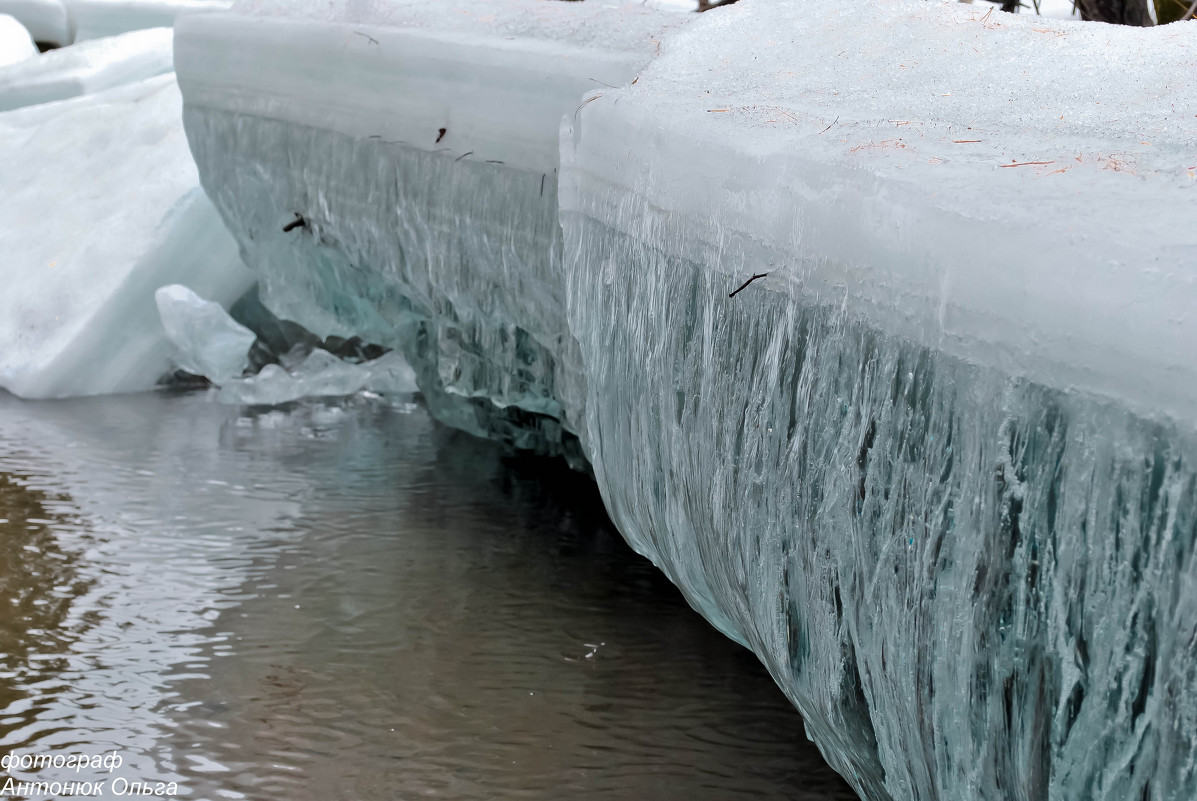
point(390, 171)
point(15, 44)
point(938, 467)
point(86, 68)
point(48, 21)
point(99, 18)
point(101, 206)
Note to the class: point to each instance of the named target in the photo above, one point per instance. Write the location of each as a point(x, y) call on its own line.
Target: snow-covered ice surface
point(94, 19)
point(937, 469)
point(86, 68)
point(428, 135)
point(15, 44)
point(48, 21)
point(321, 374)
point(207, 340)
point(101, 206)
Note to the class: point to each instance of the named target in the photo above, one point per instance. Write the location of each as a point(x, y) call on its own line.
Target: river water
point(345, 600)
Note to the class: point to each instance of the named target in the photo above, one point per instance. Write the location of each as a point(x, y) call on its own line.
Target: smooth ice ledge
point(15, 44)
point(102, 205)
point(86, 68)
point(94, 19)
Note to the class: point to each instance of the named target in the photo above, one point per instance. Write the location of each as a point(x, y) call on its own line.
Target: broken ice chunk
point(86, 68)
point(391, 375)
point(48, 21)
point(15, 44)
point(321, 375)
point(209, 342)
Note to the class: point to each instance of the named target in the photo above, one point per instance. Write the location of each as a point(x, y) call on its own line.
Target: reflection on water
point(345, 601)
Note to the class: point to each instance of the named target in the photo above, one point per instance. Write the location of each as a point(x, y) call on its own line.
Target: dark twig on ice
point(368, 36)
point(746, 283)
point(440, 134)
point(463, 155)
point(298, 222)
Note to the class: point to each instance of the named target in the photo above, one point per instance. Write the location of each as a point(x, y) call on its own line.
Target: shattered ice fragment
point(321, 375)
point(209, 342)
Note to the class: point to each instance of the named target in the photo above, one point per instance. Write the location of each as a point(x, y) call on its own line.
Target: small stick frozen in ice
point(746, 283)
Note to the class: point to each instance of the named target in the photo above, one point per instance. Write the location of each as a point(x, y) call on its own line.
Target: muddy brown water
point(345, 600)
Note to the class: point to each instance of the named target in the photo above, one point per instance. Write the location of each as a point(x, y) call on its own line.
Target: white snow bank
point(86, 68)
point(1028, 211)
point(98, 18)
point(102, 206)
point(15, 44)
point(207, 340)
point(321, 374)
point(48, 21)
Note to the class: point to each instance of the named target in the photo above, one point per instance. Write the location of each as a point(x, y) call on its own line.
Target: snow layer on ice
point(938, 467)
point(48, 21)
point(86, 68)
point(321, 374)
point(497, 75)
point(429, 135)
point(1031, 219)
point(15, 44)
point(98, 18)
point(102, 205)
point(207, 340)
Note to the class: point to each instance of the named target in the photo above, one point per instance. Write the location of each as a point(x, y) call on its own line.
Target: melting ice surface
point(938, 469)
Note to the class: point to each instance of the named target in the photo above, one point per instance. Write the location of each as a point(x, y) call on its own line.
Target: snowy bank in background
point(102, 206)
point(47, 21)
point(15, 44)
point(98, 18)
point(938, 467)
point(86, 68)
point(426, 216)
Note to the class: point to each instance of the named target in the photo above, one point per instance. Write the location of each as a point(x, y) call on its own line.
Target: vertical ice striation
point(390, 171)
point(938, 468)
